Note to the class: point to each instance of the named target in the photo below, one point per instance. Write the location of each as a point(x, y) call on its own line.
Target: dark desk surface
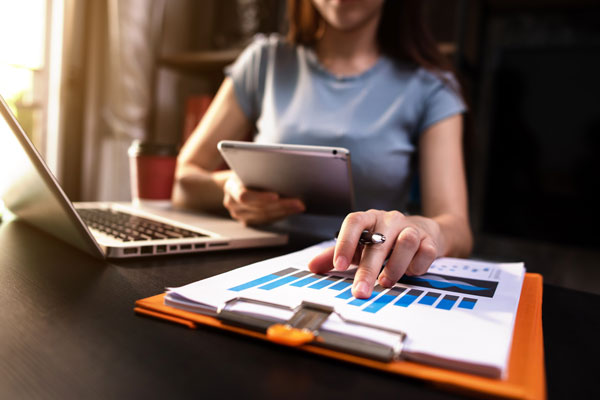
point(67, 330)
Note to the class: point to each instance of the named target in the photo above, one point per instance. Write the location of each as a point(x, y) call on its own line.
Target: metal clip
point(303, 327)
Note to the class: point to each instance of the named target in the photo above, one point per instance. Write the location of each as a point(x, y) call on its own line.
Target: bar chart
point(410, 292)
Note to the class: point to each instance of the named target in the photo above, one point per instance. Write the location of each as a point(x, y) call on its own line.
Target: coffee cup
point(152, 171)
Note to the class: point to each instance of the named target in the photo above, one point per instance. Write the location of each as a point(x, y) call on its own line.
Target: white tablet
point(320, 176)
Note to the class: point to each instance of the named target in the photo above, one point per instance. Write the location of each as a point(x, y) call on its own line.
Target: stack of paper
point(459, 315)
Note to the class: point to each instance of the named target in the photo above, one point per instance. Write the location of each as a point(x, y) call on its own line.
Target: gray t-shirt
point(378, 115)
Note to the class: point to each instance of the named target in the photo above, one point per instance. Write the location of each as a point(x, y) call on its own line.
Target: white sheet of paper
point(459, 315)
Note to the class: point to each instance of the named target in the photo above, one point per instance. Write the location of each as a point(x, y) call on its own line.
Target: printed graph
point(416, 294)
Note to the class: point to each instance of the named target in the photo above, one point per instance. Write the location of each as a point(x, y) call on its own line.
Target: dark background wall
point(535, 83)
point(531, 71)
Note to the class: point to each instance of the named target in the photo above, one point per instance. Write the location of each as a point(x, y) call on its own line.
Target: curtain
point(123, 40)
point(116, 92)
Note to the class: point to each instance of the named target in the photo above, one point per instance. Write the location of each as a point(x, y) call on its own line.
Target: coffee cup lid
point(146, 148)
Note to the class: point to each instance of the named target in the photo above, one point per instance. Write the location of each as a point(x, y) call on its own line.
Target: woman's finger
point(372, 259)
point(256, 198)
point(426, 254)
point(254, 215)
point(322, 262)
point(374, 255)
point(291, 205)
point(348, 239)
point(241, 194)
point(405, 248)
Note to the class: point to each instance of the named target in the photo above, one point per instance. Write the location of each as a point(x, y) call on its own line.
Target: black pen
point(368, 237)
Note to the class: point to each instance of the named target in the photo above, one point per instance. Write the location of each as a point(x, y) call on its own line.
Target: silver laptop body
point(31, 192)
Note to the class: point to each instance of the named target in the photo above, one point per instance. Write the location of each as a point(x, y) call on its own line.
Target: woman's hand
point(255, 207)
point(412, 243)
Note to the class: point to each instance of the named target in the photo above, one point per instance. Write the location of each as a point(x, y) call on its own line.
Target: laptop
point(108, 229)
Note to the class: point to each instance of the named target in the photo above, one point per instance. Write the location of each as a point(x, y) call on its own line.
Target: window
point(23, 71)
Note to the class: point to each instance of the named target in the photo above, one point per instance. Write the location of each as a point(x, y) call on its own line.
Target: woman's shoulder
point(272, 43)
point(264, 50)
point(434, 79)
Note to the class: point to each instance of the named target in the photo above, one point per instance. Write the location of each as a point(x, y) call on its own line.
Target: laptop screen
point(11, 158)
point(30, 191)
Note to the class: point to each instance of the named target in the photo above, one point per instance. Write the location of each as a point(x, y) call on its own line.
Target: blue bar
point(447, 302)
point(376, 291)
point(306, 281)
point(278, 282)
point(321, 284)
point(408, 298)
point(360, 302)
point(341, 285)
point(467, 303)
point(429, 298)
point(380, 303)
point(345, 295)
point(255, 282)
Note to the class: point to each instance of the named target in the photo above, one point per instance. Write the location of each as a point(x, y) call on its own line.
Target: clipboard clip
point(304, 327)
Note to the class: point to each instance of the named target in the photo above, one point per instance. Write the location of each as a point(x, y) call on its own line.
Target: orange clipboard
point(526, 373)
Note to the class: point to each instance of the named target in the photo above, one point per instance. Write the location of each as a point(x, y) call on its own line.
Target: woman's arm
point(413, 242)
point(443, 185)
point(197, 186)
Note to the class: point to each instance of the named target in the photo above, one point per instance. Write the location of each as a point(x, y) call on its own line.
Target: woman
point(361, 74)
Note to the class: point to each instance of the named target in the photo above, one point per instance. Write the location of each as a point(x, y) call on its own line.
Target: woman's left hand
point(412, 243)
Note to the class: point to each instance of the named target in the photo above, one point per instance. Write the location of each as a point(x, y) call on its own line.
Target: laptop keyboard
point(128, 227)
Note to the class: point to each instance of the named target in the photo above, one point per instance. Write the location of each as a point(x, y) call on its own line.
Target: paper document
point(458, 315)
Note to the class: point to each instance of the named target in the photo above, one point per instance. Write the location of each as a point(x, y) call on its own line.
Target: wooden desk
point(67, 330)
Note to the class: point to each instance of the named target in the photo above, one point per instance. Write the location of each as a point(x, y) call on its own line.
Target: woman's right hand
point(253, 207)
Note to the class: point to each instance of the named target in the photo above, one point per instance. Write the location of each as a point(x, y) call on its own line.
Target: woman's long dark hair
point(402, 35)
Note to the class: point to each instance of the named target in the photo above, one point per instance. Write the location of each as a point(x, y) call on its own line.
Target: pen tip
point(378, 238)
